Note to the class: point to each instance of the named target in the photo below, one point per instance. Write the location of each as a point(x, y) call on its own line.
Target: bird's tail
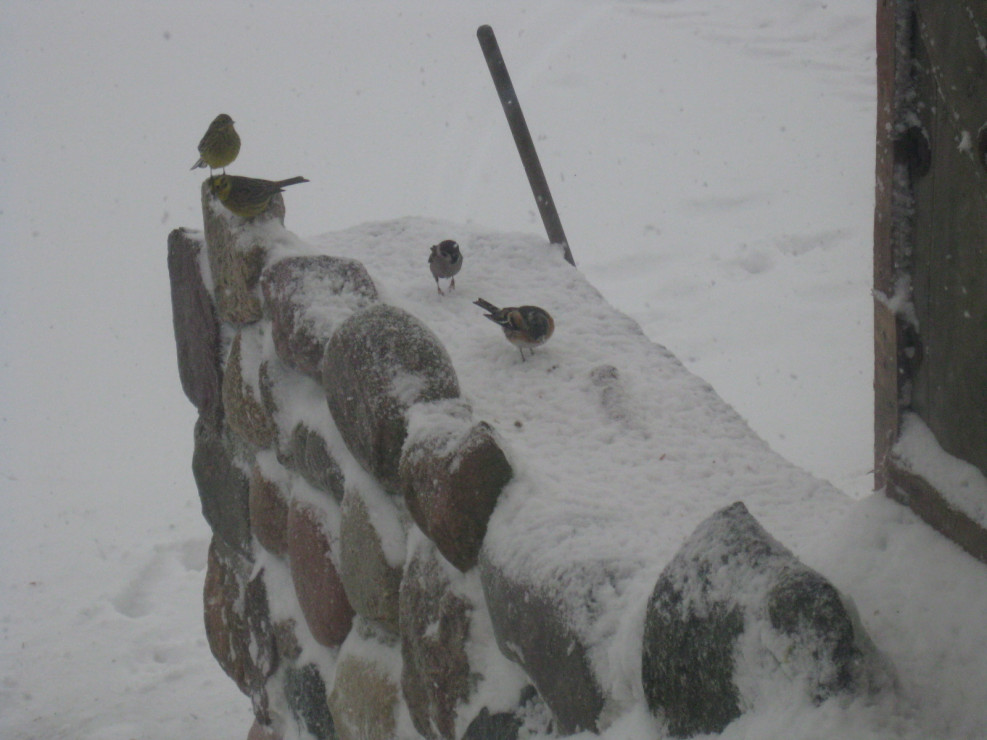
point(486, 305)
point(197, 165)
point(291, 181)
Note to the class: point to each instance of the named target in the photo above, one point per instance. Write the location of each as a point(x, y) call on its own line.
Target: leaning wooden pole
point(522, 139)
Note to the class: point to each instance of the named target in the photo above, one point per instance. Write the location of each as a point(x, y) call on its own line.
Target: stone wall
point(349, 487)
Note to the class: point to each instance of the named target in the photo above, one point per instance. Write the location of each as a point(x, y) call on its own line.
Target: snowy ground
point(712, 164)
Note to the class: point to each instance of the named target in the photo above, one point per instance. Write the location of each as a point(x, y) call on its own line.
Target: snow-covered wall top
point(420, 532)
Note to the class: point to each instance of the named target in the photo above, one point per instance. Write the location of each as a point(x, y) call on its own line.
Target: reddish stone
point(306, 298)
point(226, 629)
point(238, 623)
point(268, 513)
point(317, 583)
point(263, 732)
point(452, 487)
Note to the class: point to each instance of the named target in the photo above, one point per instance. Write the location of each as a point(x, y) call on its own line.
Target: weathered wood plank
point(949, 261)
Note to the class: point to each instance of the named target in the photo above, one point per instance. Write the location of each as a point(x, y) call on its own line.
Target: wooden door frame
point(900, 153)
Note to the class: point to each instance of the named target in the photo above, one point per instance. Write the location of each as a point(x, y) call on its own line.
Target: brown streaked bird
point(525, 327)
point(248, 196)
point(445, 261)
point(219, 145)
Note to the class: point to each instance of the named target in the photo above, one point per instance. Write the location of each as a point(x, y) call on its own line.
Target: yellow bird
point(219, 145)
point(248, 196)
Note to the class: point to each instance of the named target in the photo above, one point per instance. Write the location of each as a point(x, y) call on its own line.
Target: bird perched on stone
point(524, 326)
point(248, 196)
point(219, 145)
point(445, 261)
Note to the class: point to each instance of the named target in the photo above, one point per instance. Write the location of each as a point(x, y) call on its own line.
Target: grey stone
point(246, 413)
point(236, 258)
point(380, 362)
point(307, 453)
point(532, 629)
point(371, 582)
point(733, 593)
point(224, 489)
point(196, 326)
point(435, 624)
point(299, 446)
point(364, 700)
point(493, 726)
point(507, 725)
point(286, 638)
point(262, 643)
point(305, 692)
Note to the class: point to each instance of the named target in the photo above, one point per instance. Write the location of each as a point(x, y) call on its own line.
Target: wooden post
point(522, 139)
point(930, 254)
point(886, 380)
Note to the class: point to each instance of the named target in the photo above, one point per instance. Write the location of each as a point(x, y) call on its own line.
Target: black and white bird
point(525, 327)
point(445, 262)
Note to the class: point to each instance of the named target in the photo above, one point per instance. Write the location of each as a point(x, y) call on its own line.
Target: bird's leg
point(521, 350)
point(452, 285)
point(437, 287)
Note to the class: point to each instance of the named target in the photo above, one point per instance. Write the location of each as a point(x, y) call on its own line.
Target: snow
point(962, 484)
point(712, 163)
point(613, 463)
